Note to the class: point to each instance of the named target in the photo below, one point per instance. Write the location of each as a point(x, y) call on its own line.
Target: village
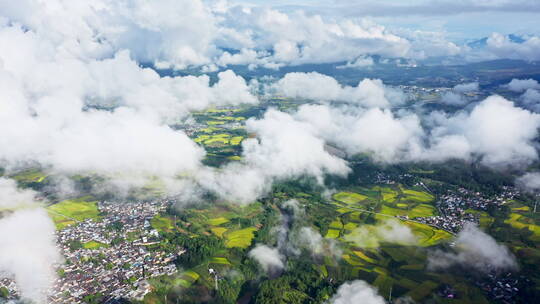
point(455, 208)
point(108, 257)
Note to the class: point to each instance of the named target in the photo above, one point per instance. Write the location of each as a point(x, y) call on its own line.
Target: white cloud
point(467, 87)
point(357, 292)
point(284, 148)
point(456, 97)
point(270, 260)
point(375, 131)
point(296, 38)
point(521, 85)
point(453, 99)
point(287, 148)
point(391, 231)
point(455, 146)
point(12, 198)
point(360, 62)
point(157, 32)
point(244, 57)
point(531, 97)
point(474, 249)
point(28, 243)
point(48, 115)
point(196, 33)
point(502, 47)
point(531, 100)
point(496, 131)
point(319, 87)
point(426, 44)
point(294, 206)
point(307, 237)
point(380, 133)
point(529, 181)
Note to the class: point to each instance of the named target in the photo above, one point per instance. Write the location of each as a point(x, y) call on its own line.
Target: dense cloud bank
point(213, 34)
point(111, 117)
point(500, 46)
point(29, 250)
point(75, 99)
point(71, 113)
point(495, 131)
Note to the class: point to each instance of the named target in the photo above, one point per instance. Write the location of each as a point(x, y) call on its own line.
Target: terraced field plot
point(218, 221)
point(427, 235)
point(418, 196)
point(162, 223)
point(393, 269)
point(336, 224)
point(227, 225)
point(332, 233)
point(363, 256)
point(68, 212)
point(485, 219)
point(222, 137)
point(520, 221)
point(220, 260)
point(218, 231)
point(187, 279)
point(240, 238)
point(382, 204)
point(94, 245)
point(218, 140)
point(30, 176)
point(349, 198)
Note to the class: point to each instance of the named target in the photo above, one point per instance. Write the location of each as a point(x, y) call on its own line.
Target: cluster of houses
point(455, 208)
point(8, 286)
point(502, 288)
point(452, 224)
point(110, 257)
point(382, 178)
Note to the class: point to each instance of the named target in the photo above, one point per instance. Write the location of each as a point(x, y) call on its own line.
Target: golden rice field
point(349, 198)
point(240, 238)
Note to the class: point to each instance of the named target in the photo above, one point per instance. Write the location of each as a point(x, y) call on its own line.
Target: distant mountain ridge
point(482, 43)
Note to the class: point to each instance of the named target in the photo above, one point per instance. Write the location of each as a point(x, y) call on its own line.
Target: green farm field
point(94, 245)
point(68, 212)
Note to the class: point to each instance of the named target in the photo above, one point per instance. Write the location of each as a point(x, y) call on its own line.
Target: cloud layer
point(28, 242)
point(214, 34)
point(72, 114)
